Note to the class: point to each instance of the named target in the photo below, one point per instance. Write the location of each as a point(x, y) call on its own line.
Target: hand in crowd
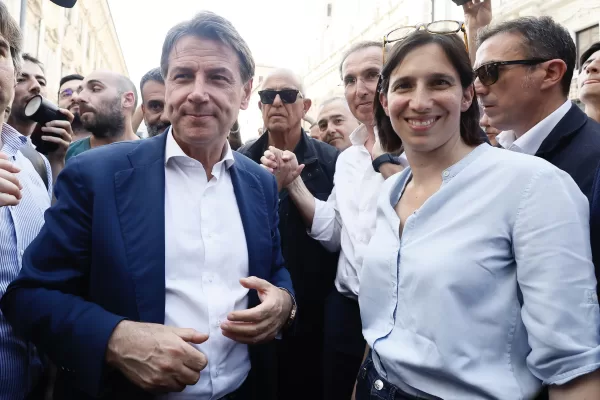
point(478, 13)
point(64, 130)
point(155, 357)
point(282, 164)
point(10, 188)
point(263, 322)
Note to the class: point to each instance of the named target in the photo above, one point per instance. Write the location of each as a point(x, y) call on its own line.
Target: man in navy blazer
point(159, 269)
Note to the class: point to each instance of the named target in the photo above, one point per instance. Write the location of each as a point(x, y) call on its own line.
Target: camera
point(43, 111)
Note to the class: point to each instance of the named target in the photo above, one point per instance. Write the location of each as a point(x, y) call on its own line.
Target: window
point(329, 9)
point(585, 38)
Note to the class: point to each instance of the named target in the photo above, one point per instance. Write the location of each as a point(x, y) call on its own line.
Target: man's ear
point(555, 71)
point(247, 92)
point(260, 105)
point(307, 105)
point(128, 100)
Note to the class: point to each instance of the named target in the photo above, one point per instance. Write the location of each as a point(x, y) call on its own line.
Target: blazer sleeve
point(595, 222)
point(46, 303)
point(280, 276)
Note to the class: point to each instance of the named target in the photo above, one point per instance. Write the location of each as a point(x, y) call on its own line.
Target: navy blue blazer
point(574, 146)
point(100, 258)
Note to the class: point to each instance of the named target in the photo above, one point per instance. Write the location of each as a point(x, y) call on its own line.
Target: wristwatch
point(382, 159)
point(292, 316)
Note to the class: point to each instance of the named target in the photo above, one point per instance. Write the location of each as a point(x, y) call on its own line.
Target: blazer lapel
point(570, 124)
point(140, 196)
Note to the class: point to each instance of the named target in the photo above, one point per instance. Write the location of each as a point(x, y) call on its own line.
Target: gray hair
point(542, 38)
point(9, 29)
point(209, 25)
point(357, 47)
point(333, 100)
point(153, 75)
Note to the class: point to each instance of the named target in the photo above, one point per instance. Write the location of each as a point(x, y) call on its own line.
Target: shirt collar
point(360, 135)
point(12, 140)
point(304, 151)
point(530, 141)
point(174, 151)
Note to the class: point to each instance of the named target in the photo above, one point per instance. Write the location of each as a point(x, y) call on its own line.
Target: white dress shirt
point(205, 257)
point(530, 141)
point(347, 219)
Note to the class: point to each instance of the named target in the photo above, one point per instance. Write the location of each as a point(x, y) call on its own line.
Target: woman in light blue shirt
point(478, 282)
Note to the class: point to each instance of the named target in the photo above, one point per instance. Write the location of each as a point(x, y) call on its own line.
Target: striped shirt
point(20, 367)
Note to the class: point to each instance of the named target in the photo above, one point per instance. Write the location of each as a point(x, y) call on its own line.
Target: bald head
point(113, 79)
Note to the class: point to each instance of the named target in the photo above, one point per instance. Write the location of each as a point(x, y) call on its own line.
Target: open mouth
point(422, 123)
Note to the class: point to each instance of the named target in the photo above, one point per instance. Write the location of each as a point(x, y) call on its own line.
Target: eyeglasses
point(65, 94)
point(287, 96)
point(489, 73)
point(444, 27)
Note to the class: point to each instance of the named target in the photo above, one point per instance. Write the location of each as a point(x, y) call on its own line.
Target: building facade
point(67, 41)
point(341, 23)
point(250, 120)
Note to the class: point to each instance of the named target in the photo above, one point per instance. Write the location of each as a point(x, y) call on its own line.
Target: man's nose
point(164, 117)
point(480, 89)
point(594, 67)
point(35, 87)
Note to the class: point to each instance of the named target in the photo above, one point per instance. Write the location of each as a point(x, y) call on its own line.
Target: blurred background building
point(67, 41)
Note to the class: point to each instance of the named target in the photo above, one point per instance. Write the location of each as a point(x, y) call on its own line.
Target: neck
point(428, 166)
point(285, 140)
point(125, 134)
point(593, 111)
point(370, 137)
point(24, 127)
point(545, 108)
point(79, 134)
point(208, 154)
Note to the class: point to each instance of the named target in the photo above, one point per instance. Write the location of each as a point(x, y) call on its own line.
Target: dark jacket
point(311, 266)
point(574, 146)
point(100, 258)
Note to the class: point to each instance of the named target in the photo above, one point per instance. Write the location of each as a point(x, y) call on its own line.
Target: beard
point(77, 124)
point(108, 122)
point(156, 129)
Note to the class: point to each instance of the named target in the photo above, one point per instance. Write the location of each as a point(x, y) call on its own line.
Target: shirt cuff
point(323, 221)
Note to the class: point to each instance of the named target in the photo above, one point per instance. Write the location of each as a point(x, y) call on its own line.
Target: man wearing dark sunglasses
point(283, 105)
point(524, 70)
point(68, 86)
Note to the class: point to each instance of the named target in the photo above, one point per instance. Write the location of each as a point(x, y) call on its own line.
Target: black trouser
point(344, 346)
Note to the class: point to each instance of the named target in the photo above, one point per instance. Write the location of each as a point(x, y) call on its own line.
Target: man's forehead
point(500, 47)
point(594, 56)
point(363, 60)
point(281, 80)
point(73, 83)
point(334, 107)
point(31, 68)
point(153, 89)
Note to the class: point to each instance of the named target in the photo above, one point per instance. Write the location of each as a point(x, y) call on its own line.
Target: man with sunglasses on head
point(67, 87)
point(284, 105)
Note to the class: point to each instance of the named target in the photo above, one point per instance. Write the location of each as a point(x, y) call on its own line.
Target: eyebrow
point(436, 75)
point(94, 82)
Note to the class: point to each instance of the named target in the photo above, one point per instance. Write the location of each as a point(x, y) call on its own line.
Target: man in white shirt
point(180, 292)
point(346, 221)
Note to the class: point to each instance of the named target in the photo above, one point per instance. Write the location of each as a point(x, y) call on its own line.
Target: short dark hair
point(152, 75)
point(357, 47)
point(542, 38)
point(9, 29)
point(69, 78)
point(209, 25)
point(588, 53)
point(32, 59)
point(455, 50)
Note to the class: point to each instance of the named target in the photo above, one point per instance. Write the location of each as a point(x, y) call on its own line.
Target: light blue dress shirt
point(20, 366)
point(491, 290)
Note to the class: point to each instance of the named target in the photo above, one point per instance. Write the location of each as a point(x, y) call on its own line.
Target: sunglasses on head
point(287, 96)
point(489, 73)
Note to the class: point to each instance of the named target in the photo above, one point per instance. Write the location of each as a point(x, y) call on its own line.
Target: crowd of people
point(435, 234)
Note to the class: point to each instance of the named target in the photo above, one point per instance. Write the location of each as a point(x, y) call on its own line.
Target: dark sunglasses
point(287, 96)
point(489, 73)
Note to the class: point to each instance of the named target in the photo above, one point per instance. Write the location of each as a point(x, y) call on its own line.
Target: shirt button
point(445, 174)
point(378, 385)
